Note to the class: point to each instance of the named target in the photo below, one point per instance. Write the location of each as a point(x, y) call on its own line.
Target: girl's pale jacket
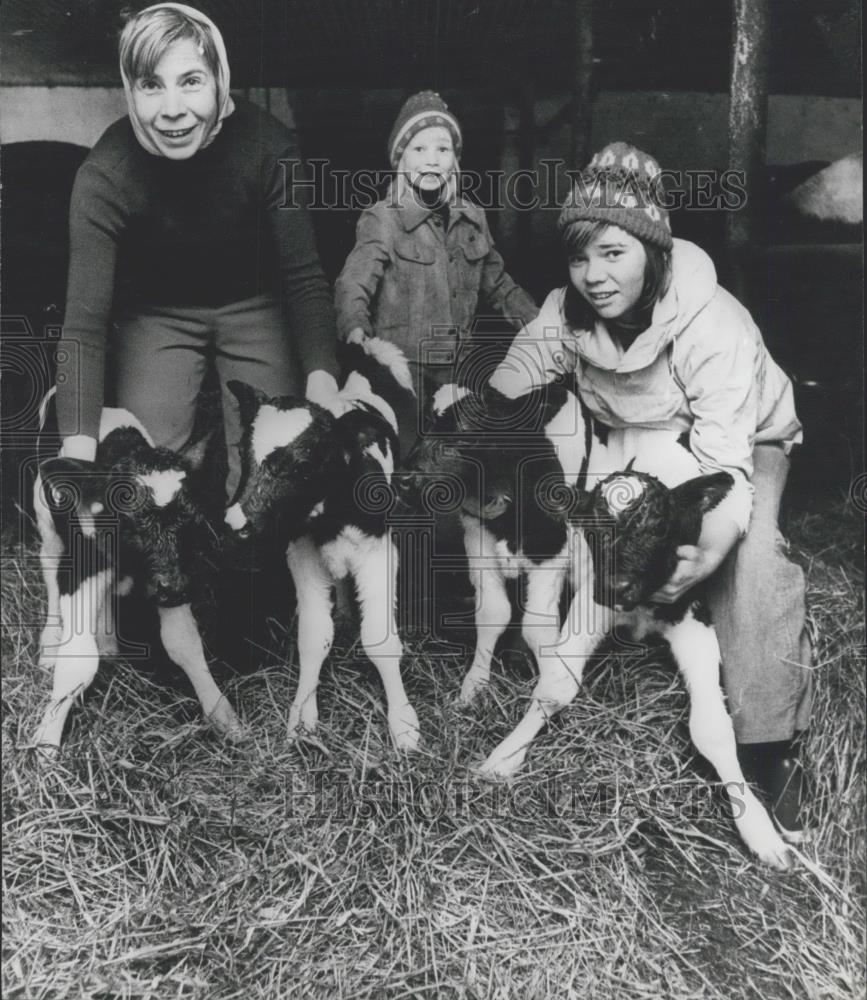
point(701, 368)
point(410, 280)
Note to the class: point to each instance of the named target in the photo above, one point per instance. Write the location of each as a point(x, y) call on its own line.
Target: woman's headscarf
point(225, 104)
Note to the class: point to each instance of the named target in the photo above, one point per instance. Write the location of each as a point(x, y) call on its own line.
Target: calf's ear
point(249, 398)
point(582, 504)
point(446, 397)
point(194, 452)
point(565, 501)
point(704, 492)
point(70, 484)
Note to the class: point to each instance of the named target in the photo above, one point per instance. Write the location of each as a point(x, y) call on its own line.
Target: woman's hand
point(322, 389)
point(694, 565)
point(719, 534)
point(356, 336)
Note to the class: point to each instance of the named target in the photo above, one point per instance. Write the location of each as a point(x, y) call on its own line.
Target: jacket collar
point(692, 287)
point(412, 215)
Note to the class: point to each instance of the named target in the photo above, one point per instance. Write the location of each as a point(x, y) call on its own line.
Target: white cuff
point(738, 504)
point(80, 446)
point(322, 389)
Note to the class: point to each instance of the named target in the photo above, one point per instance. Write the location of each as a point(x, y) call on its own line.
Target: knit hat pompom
point(621, 186)
point(423, 110)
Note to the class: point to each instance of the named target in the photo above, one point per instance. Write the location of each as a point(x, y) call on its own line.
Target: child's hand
point(694, 565)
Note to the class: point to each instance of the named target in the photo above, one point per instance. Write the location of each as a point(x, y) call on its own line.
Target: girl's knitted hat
point(422, 110)
point(621, 186)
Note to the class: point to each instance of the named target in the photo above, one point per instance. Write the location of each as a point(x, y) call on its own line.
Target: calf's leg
point(313, 585)
point(493, 609)
point(75, 657)
point(540, 626)
point(52, 633)
point(50, 552)
point(180, 636)
point(375, 572)
point(696, 652)
point(560, 672)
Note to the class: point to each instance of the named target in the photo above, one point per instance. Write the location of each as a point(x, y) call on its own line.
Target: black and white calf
point(127, 519)
point(515, 462)
point(320, 484)
point(635, 523)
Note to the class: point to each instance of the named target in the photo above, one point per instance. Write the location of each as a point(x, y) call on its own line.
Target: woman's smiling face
point(610, 272)
point(177, 104)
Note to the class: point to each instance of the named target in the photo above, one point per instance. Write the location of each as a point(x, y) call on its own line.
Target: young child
point(424, 261)
point(655, 343)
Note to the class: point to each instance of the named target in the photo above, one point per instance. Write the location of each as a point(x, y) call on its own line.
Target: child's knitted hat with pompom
point(422, 110)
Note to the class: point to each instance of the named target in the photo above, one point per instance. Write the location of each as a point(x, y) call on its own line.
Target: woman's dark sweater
point(212, 230)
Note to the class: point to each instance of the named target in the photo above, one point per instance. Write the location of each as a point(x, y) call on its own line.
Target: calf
point(509, 460)
point(320, 485)
point(128, 518)
point(635, 524)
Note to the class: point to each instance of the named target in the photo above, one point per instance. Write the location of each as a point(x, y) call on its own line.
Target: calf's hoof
point(769, 847)
point(303, 718)
point(471, 689)
point(776, 854)
point(46, 754)
point(759, 834)
point(226, 722)
point(403, 725)
point(497, 768)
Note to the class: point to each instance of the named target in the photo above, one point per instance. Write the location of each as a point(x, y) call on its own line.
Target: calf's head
point(634, 524)
point(137, 503)
point(166, 528)
point(493, 450)
point(446, 460)
point(290, 459)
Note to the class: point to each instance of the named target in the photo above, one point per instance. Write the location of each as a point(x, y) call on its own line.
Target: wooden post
point(526, 161)
point(582, 97)
point(748, 122)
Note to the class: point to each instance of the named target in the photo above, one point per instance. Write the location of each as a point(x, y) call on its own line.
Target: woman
point(656, 344)
point(182, 248)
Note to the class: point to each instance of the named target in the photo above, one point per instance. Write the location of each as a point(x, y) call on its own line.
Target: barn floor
point(152, 861)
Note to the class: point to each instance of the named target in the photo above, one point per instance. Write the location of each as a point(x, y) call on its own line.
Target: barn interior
point(537, 86)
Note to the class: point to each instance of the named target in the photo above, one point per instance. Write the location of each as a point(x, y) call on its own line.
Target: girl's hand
point(694, 565)
point(719, 533)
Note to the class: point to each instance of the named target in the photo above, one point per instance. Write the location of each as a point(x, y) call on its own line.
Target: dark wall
point(37, 182)
point(638, 44)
